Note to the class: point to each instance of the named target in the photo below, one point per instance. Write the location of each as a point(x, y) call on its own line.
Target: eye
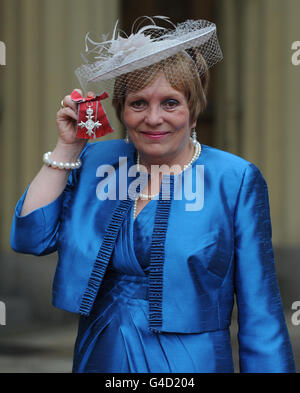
point(139, 104)
point(170, 104)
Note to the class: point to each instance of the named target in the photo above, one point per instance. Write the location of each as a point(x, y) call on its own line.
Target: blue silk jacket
point(208, 245)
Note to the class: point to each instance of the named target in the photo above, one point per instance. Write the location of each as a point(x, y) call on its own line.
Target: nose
point(154, 115)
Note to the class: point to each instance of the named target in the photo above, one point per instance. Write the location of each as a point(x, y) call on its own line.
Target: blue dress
point(172, 313)
point(115, 337)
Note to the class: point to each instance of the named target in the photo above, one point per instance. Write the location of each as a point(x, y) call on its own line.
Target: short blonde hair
point(186, 72)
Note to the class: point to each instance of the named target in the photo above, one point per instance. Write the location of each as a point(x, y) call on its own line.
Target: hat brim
point(161, 50)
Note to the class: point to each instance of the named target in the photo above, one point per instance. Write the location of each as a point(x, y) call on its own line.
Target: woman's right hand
point(50, 182)
point(66, 120)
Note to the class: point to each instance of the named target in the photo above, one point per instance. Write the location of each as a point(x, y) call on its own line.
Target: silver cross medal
point(90, 125)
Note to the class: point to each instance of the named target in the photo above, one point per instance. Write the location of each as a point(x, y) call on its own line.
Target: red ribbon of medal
point(92, 122)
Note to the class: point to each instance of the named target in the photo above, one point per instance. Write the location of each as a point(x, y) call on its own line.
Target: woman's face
point(158, 122)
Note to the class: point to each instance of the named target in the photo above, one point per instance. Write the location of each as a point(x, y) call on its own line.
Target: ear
point(193, 125)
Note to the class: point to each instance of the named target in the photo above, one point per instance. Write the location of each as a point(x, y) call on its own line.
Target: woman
point(154, 276)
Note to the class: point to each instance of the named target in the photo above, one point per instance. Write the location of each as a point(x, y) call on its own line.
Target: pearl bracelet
point(60, 165)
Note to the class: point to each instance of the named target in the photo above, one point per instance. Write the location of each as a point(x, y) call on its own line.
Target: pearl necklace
point(196, 155)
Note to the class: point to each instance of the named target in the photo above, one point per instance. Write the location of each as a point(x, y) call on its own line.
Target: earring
point(194, 136)
point(127, 140)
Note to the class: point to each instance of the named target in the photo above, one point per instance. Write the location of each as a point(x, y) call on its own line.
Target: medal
point(92, 122)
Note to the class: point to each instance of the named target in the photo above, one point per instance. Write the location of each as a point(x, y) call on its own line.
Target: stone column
point(43, 41)
point(291, 127)
point(259, 100)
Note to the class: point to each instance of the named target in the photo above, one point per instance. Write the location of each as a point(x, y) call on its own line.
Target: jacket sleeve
point(37, 232)
point(264, 344)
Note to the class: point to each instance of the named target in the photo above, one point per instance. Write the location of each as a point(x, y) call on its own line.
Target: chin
point(153, 150)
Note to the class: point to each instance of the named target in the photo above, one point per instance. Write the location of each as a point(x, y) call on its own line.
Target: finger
point(91, 94)
point(65, 113)
point(69, 103)
point(67, 100)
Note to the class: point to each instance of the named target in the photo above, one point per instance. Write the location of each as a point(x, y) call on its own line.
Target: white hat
point(149, 45)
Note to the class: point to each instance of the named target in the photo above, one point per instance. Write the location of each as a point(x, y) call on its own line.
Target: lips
point(155, 134)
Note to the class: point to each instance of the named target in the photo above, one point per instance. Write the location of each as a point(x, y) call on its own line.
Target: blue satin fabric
point(116, 336)
point(207, 256)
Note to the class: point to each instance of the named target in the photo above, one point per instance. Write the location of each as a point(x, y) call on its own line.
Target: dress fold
point(116, 337)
